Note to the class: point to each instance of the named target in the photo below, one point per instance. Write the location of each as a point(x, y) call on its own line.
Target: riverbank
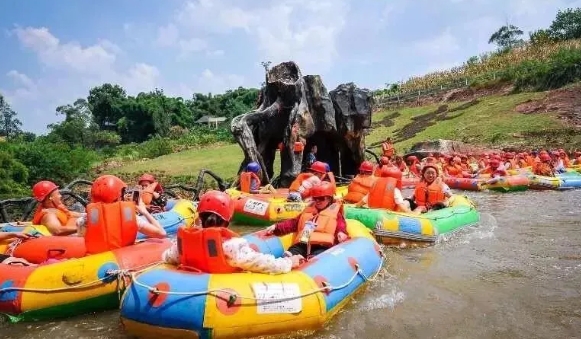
point(489, 117)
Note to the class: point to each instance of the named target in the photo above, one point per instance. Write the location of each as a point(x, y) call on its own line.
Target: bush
point(155, 147)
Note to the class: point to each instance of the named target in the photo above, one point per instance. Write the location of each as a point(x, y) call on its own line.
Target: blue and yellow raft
point(169, 303)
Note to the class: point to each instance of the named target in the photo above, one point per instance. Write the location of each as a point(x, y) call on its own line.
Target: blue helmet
point(327, 167)
point(253, 167)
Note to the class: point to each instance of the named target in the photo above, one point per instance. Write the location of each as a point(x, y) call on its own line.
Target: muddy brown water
point(515, 275)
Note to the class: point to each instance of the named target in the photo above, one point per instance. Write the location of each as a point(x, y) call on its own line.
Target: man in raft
point(319, 227)
point(301, 187)
point(430, 193)
point(152, 193)
point(51, 212)
point(198, 245)
point(386, 192)
point(361, 184)
point(544, 167)
point(249, 181)
point(109, 189)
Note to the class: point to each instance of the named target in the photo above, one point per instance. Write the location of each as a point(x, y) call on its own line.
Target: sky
point(55, 51)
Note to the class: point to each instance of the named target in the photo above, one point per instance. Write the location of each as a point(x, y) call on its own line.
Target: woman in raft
point(215, 212)
point(152, 193)
point(323, 219)
point(430, 193)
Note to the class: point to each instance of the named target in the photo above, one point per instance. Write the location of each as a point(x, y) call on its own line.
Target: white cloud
point(298, 30)
point(208, 81)
point(167, 35)
point(442, 44)
point(190, 46)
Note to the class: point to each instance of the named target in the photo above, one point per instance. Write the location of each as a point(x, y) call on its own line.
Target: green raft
point(394, 228)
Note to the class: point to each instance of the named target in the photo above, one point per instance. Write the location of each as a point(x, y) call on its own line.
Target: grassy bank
point(491, 120)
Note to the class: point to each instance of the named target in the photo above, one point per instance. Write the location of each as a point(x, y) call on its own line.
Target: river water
point(515, 275)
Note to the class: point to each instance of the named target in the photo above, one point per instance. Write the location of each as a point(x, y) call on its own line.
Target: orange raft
point(74, 283)
point(465, 184)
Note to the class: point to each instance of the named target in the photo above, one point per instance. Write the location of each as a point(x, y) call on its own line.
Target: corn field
point(488, 67)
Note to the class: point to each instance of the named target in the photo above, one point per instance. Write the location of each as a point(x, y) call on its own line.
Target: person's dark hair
point(210, 219)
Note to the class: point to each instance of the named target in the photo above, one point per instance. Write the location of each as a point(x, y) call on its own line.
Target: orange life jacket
point(147, 193)
point(566, 162)
point(200, 249)
point(299, 181)
point(62, 214)
point(381, 194)
point(522, 163)
point(110, 226)
point(452, 170)
point(387, 149)
point(543, 169)
point(428, 195)
point(359, 187)
point(530, 160)
point(294, 187)
point(246, 181)
point(326, 221)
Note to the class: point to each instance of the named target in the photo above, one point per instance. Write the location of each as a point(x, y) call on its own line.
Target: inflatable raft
point(564, 181)
point(70, 287)
point(465, 184)
point(183, 212)
point(394, 228)
point(266, 209)
point(165, 302)
point(511, 183)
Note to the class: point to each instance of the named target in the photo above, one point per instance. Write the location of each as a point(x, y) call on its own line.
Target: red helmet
point(324, 189)
point(147, 178)
point(384, 160)
point(429, 165)
point(318, 167)
point(366, 166)
point(390, 172)
point(412, 158)
point(545, 157)
point(217, 202)
point(494, 163)
point(43, 189)
point(107, 189)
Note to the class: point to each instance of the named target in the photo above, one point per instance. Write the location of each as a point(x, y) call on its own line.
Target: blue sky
point(54, 51)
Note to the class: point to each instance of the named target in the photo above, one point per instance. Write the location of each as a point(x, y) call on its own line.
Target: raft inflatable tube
point(183, 213)
point(465, 184)
point(543, 183)
point(281, 193)
point(74, 286)
point(511, 183)
point(266, 209)
point(165, 302)
point(395, 228)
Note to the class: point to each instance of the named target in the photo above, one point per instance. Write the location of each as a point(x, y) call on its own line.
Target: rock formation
point(441, 146)
point(297, 112)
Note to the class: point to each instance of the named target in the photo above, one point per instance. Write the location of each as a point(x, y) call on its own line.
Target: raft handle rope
point(232, 297)
point(110, 274)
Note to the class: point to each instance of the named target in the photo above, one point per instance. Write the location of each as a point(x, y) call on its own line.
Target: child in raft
point(215, 210)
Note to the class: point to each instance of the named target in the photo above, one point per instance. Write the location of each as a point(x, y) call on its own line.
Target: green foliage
point(13, 174)
point(506, 37)
point(53, 161)
point(9, 123)
point(155, 147)
point(567, 25)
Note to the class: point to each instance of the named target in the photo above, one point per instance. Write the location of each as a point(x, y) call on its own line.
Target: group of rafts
point(72, 275)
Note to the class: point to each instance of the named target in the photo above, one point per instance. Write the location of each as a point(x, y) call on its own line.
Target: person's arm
point(400, 202)
point(11, 235)
point(171, 255)
point(341, 229)
point(239, 254)
point(254, 186)
point(150, 227)
point(53, 224)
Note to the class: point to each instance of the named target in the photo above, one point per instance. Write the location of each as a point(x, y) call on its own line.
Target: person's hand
point(20, 235)
point(141, 208)
point(342, 236)
point(297, 260)
point(270, 229)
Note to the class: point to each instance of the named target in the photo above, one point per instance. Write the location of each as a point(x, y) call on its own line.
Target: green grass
point(493, 121)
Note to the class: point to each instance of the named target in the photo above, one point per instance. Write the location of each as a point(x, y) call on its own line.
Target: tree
point(506, 37)
point(567, 24)
point(540, 37)
point(105, 104)
point(9, 123)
